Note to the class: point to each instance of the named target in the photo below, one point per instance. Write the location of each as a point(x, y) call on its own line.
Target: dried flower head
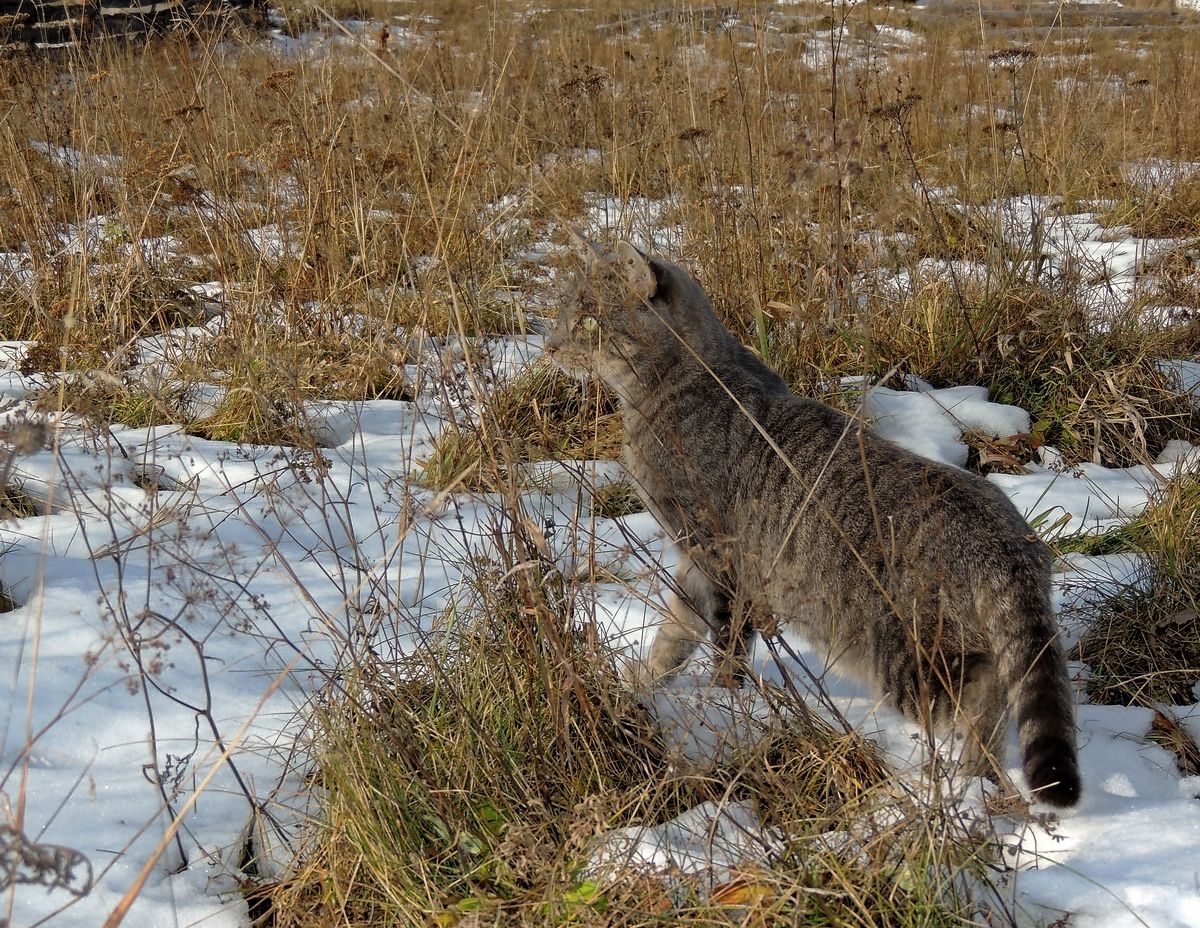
point(26, 436)
point(1012, 58)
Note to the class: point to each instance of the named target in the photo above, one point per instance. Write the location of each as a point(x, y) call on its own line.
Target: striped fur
point(919, 578)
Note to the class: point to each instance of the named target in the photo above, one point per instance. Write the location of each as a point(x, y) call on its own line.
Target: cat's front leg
point(732, 634)
point(697, 607)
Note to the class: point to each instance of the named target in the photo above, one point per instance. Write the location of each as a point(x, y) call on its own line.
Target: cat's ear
point(635, 270)
point(585, 250)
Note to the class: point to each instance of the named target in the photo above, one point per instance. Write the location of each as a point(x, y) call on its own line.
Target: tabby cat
point(919, 578)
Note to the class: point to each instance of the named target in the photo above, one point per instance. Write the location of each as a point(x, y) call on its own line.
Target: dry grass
point(1144, 646)
point(15, 503)
point(442, 802)
point(1173, 734)
point(396, 183)
point(541, 415)
point(616, 500)
point(1169, 209)
point(382, 195)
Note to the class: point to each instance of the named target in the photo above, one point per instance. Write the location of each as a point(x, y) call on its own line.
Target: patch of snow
point(711, 841)
point(76, 159)
point(1113, 862)
point(1085, 498)
point(272, 242)
point(637, 219)
point(1186, 375)
point(931, 422)
point(1155, 173)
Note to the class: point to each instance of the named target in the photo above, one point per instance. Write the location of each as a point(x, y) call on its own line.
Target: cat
point(919, 578)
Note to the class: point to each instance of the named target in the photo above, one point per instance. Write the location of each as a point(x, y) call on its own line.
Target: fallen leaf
point(741, 892)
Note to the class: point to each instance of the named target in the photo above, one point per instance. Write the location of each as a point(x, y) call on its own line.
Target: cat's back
point(869, 492)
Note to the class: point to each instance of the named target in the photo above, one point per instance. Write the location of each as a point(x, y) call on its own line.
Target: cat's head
point(625, 316)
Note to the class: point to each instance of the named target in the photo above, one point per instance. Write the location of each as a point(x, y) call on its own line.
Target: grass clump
point(7, 602)
point(306, 364)
point(251, 415)
point(541, 415)
point(106, 400)
point(1118, 541)
point(615, 500)
point(458, 781)
point(1094, 396)
point(470, 783)
point(1144, 646)
point(15, 503)
point(1167, 210)
point(1116, 411)
point(262, 378)
point(458, 314)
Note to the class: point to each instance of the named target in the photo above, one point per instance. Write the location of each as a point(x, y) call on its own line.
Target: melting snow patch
point(1158, 172)
point(1186, 375)
point(1062, 500)
point(931, 422)
point(708, 843)
point(636, 218)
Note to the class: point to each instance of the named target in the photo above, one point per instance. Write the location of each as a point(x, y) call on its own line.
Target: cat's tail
point(1032, 666)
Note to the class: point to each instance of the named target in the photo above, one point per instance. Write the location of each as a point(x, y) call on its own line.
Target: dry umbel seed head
point(26, 436)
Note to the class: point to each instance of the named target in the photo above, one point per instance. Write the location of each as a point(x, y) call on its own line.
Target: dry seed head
point(1012, 58)
point(897, 109)
point(27, 437)
point(280, 81)
point(590, 83)
point(824, 160)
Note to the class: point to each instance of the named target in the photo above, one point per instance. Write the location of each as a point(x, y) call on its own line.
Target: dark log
point(43, 25)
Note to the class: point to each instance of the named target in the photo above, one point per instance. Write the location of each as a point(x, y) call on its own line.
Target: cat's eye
point(589, 323)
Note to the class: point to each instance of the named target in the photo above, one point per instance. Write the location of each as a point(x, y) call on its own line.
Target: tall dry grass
point(359, 189)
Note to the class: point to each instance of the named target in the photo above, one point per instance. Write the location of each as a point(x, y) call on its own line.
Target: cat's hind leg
point(953, 693)
point(981, 718)
point(969, 700)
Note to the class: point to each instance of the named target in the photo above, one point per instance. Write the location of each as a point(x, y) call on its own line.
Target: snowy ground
point(180, 600)
point(167, 637)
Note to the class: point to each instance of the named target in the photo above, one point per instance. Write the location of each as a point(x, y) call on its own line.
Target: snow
point(181, 600)
point(709, 841)
point(1086, 498)
point(1186, 375)
point(238, 587)
point(1127, 856)
point(931, 422)
point(1110, 270)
